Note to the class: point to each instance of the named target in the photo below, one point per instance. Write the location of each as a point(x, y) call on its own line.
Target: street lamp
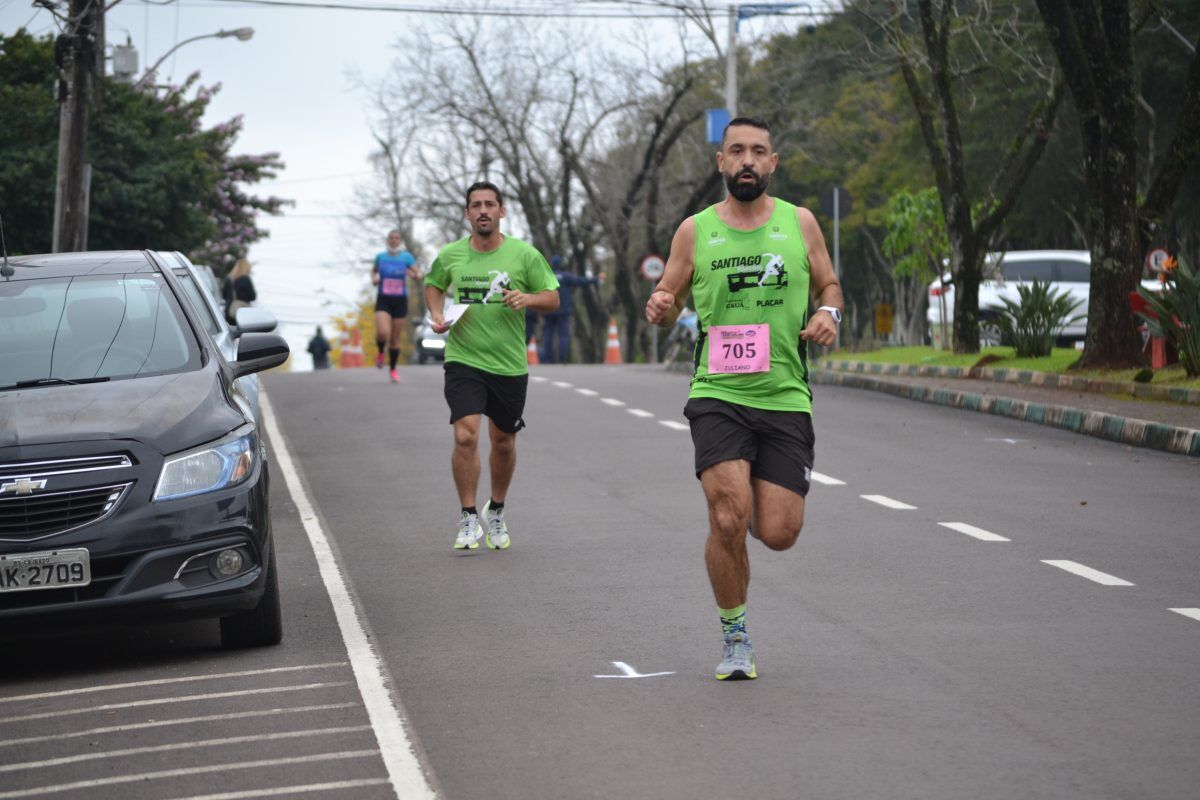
point(241, 34)
point(737, 13)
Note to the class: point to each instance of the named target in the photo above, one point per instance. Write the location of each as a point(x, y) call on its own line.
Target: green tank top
point(748, 279)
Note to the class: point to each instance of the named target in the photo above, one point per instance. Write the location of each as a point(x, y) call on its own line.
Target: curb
point(1135, 432)
point(1143, 390)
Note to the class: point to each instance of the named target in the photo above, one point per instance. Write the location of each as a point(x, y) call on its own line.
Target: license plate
point(52, 569)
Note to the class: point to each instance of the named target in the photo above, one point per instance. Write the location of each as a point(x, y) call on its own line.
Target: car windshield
point(92, 327)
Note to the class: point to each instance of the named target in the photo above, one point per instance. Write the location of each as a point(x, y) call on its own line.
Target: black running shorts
point(473, 391)
point(778, 444)
point(394, 305)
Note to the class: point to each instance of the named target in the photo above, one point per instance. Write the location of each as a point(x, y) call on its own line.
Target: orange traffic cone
point(612, 353)
point(531, 351)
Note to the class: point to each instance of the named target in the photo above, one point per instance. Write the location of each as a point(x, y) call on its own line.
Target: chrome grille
point(61, 466)
point(47, 513)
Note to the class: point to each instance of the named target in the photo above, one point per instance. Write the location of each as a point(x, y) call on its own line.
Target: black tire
point(261, 626)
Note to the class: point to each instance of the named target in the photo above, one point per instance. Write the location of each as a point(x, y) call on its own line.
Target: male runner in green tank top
point(751, 263)
point(496, 278)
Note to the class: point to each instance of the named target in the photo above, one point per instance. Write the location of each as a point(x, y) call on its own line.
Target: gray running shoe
point(738, 661)
point(469, 532)
point(497, 529)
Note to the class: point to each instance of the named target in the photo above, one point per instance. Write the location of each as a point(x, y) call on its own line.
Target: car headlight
point(220, 465)
point(433, 344)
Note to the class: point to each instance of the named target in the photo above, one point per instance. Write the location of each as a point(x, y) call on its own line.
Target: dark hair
point(478, 185)
point(753, 122)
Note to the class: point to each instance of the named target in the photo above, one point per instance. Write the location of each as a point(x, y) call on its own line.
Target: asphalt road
point(899, 657)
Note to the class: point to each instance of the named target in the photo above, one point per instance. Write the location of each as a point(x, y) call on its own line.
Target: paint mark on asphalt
point(637, 412)
point(971, 530)
point(588, 392)
point(561, 384)
point(288, 791)
point(629, 672)
point(887, 502)
point(1191, 613)
point(612, 401)
point(537, 379)
point(1082, 571)
point(821, 477)
point(673, 425)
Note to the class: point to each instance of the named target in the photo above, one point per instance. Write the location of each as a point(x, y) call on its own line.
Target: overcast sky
point(292, 84)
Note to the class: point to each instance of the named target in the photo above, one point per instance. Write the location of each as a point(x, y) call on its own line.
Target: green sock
point(733, 620)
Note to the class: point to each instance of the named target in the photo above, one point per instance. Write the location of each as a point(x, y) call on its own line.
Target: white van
point(1067, 270)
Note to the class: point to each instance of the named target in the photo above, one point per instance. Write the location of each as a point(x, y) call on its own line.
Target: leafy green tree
point(916, 241)
point(160, 179)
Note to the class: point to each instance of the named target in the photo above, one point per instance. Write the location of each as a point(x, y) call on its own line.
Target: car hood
point(165, 412)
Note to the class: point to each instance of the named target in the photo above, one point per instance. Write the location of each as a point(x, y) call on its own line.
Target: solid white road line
point(612, 401)
point(399, 755)
point(887, 502)
point(821, 477)
point(637, 412)
point(179, 773)
point(165, 681)
point(971, 530)
point(561, 384)
point(161, 701)
point(588, 392)
point(1193, 613)
point(162, 723)
point(287, 791)
point(166, 748)
point(673, 425)
point(1087, 572)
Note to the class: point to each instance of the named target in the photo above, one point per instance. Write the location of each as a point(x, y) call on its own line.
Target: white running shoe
point(469, 532)
point(497, 529)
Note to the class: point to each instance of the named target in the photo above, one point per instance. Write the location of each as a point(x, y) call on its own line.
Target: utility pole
point(76, 56)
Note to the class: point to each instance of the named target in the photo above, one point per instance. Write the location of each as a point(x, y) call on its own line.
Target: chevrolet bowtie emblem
point(22, 486)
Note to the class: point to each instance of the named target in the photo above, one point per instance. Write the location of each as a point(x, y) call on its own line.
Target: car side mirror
point(254, 320)
point(259, 351)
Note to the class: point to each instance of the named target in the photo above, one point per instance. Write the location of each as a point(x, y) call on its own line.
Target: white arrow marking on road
point(637, 412)
point(1193, 613)
point(820, 477)
point(561, 384)
point(971, 530)
point(673, 425)
point(887, 502)
point(1087, 572)
point(588, 392)
point(630, 672)
point(612, 401)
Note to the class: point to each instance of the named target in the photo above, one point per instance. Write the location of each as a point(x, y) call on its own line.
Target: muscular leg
point(394, 341)
point(383, 329)
point(727, 488)
point(465, 461)
point(778, 514)
point(502, 461)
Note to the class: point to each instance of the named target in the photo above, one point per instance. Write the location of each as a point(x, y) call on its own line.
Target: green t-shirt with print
point(753, 278)
point(490, 336)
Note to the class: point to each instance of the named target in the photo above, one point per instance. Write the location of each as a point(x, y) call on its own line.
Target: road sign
point(1156, 258)
point(883, 319)
point(715, 121)
point(652, 267)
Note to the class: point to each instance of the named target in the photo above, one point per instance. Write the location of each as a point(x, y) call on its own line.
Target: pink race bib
point(393, 286)
point(739, 348)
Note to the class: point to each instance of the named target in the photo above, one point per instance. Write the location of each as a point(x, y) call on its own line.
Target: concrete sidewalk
point(1169, 421)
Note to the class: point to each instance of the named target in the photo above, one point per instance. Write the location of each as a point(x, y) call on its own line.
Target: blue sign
point(718, 118)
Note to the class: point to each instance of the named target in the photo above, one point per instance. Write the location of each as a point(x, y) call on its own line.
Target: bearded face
point(746, 184)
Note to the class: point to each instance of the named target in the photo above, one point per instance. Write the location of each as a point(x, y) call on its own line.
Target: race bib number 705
point(739, 348)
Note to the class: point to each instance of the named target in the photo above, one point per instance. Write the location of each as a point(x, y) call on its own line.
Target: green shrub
point(1033, 323)
point(1174, 313)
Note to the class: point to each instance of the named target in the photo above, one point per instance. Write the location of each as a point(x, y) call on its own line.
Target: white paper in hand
point(454, 312)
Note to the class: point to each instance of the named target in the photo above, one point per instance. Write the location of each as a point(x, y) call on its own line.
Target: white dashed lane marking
point(538, 379)
point(637, 412)
point(288, 791)
point(561, 384)
point(1082, 571)
point(673, 425)
point(887, 502)
point(971, 530)
point(588, 392)
point(820, 477)
point(1192, 613)
point(612, 401)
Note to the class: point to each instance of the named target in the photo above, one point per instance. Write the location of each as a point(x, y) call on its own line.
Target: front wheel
point(262, 625)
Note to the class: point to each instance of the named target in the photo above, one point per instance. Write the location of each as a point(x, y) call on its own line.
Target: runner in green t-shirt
point(495, 278)
point(751, 263)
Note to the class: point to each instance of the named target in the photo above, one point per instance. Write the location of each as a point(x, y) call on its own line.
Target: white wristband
point(836, 313)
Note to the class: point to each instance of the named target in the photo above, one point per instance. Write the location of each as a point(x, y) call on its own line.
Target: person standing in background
point(238, 290)
point(557, 330)
point(318, 348)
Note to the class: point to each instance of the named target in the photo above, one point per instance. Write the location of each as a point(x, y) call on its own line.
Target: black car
point(133, 476)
